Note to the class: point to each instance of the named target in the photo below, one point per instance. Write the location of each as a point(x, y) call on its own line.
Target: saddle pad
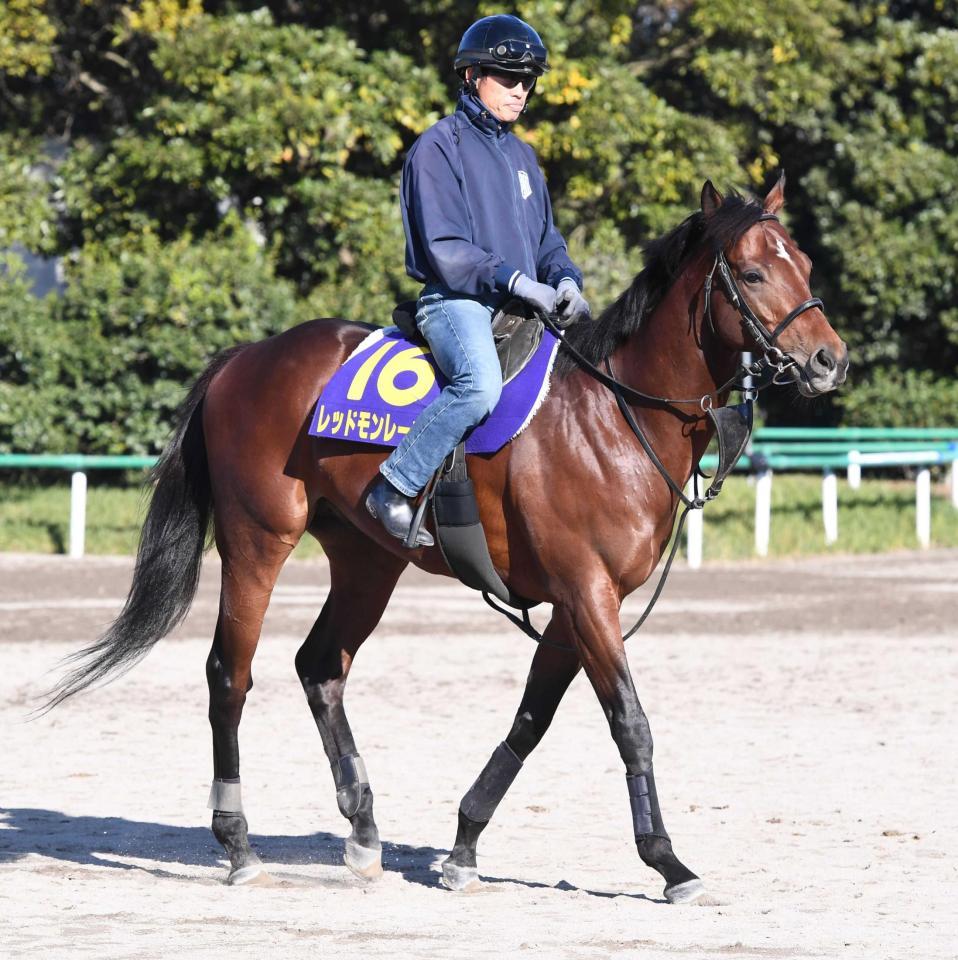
point(386, 382)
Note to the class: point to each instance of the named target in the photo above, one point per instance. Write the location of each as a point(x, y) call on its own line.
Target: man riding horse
point(243, 465)
point(479, 230)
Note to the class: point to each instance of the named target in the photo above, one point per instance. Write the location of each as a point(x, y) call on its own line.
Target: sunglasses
point(509, 80)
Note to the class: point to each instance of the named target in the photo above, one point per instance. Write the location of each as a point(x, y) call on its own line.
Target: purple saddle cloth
point(387, 381)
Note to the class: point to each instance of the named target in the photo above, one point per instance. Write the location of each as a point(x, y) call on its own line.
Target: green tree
point(856, 102)
point(230, 167)
point(102, 369)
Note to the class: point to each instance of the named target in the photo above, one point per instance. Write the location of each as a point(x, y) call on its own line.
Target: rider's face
point(503, 93)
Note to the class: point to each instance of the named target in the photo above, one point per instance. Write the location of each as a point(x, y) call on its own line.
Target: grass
point(879, 516)
point(36, 519)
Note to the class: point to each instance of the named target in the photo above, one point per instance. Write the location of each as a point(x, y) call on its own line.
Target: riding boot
point(395, 511)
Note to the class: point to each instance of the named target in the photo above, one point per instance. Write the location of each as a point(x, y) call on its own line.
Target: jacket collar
point(479, 116)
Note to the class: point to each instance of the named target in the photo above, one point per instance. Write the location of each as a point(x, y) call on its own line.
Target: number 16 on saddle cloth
point(387, 381)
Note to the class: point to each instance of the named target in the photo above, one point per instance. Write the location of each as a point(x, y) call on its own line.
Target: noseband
point(773, 357)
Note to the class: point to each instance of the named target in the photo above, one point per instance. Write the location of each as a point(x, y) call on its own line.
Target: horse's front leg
point(594, 622)
point(549, 678)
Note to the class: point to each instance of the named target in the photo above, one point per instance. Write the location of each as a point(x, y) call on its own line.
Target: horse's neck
point(675, 353)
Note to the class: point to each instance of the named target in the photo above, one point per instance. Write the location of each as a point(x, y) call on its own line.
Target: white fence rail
point(695, 534)
point(856, 462)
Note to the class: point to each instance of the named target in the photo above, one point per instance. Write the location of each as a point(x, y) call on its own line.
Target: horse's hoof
point(687, 892)
point(365, 862)
point(252, 874)
point(460, 879)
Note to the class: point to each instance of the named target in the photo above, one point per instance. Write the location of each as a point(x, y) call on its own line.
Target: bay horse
point(240, 462)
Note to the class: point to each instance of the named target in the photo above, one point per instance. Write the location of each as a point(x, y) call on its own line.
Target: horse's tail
point(174, 537)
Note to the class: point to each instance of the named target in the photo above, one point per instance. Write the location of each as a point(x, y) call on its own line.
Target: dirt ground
point(805, 753)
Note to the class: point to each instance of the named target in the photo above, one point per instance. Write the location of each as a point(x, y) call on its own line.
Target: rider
point(479, 229)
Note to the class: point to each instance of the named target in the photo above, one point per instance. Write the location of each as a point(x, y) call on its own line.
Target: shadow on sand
point(106, 841)
point(123, 844)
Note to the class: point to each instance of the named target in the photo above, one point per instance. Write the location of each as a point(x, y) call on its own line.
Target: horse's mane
point(664, 259)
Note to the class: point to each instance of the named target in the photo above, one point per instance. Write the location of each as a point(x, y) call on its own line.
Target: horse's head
point(759, 300)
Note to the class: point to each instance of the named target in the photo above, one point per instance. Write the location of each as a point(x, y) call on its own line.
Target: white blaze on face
point(781, 251)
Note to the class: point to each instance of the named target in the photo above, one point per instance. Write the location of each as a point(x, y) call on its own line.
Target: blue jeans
point(459, 333)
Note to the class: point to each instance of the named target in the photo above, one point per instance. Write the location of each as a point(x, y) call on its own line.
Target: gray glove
point(572, 306)
point(539, 295)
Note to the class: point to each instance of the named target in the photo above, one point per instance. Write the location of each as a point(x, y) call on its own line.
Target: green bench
point(843, 448)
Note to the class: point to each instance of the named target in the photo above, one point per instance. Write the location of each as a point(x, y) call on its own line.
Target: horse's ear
point(711, 198)
point(776, 196)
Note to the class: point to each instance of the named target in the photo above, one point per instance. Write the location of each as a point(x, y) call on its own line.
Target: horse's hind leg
point(252, 559)
point(362, 579)
point(551, 673)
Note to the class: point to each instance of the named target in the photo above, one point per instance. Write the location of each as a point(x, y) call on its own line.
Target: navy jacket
point(476, 209)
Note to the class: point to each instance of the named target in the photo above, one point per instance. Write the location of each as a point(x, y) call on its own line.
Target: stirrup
point(412, 537)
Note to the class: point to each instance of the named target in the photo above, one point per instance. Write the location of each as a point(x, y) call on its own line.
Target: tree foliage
point(214, 170)
point(105, 368)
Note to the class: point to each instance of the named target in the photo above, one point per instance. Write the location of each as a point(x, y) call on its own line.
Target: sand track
point(803, 716)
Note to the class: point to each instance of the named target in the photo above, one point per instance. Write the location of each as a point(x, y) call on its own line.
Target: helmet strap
point(471, 85)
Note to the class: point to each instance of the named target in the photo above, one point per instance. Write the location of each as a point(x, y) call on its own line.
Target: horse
point(241, 464)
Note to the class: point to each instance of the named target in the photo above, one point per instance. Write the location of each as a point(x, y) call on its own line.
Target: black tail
point(174, 537)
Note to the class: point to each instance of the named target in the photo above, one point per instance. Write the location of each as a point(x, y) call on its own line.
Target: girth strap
point(460, 535)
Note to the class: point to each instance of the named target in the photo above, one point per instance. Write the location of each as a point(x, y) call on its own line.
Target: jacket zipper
point(520, 220)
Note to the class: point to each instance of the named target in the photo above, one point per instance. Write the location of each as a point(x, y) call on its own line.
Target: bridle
point(773, 359)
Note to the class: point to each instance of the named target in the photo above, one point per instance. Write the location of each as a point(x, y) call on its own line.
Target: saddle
point(515, 329)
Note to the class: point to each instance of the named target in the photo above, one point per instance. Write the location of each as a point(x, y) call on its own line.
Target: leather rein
point(773, 358)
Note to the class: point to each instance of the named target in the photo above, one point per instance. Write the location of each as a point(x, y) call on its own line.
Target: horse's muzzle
point(824, 370)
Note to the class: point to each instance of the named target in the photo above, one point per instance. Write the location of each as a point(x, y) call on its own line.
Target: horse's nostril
point(824, 360)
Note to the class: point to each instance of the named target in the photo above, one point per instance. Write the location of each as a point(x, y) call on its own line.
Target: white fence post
point(763, 511)
point(923, 506)
point(830, 505)
point(954, 483)
point(693, 531)
point(854, 470)
point(77, 513)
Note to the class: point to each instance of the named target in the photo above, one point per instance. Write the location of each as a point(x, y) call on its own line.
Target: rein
point(773, 358)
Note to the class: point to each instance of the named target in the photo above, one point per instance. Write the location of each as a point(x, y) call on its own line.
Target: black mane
point(664, 259)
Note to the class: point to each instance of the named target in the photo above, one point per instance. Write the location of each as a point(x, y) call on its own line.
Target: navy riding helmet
point(502, 42)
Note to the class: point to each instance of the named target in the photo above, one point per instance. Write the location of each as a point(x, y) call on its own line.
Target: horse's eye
point(753, 276)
